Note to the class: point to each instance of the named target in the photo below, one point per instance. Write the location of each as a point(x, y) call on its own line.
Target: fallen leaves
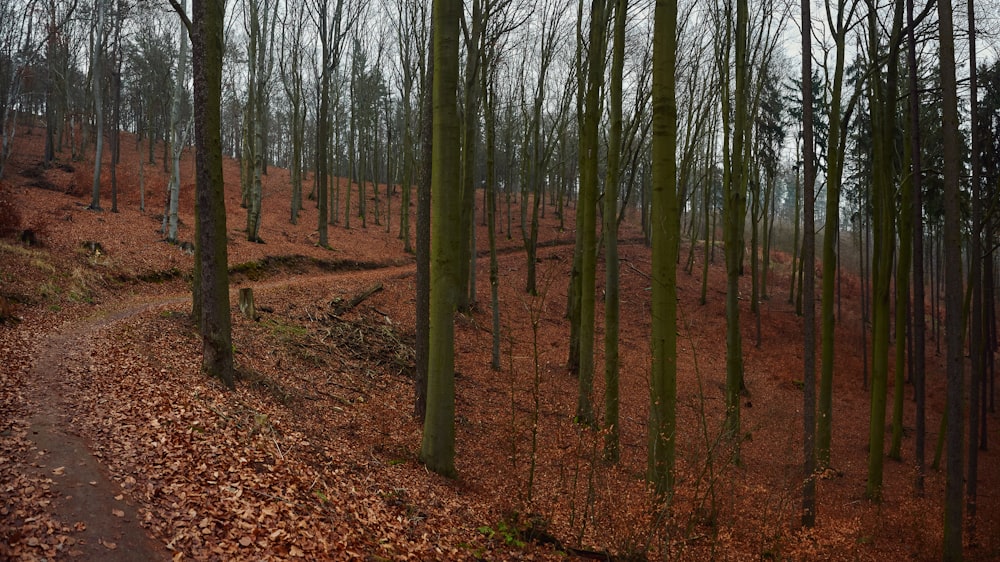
point(314, 456)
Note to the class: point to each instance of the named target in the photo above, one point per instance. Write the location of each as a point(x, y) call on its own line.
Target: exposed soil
point(315, 454)
point(105, 524)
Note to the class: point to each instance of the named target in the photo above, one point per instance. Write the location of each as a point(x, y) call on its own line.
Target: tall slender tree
point(292, 51)
point(261, 22)
point(437, 449)
point(423, 238)
point(665, 225)
point(333, 23)
point(734, 211)
point(808, 286)
point(212, 268)
point(838, 24)
point(470, 141)
point(97, 83)
point(977, 313)
point(918, 250)
point(953, 285)
point(612, 290)
point(177, 128)
point(882, 109)
point(587, 207)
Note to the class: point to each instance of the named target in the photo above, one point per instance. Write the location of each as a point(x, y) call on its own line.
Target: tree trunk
point(437, 449)
point(207, 46)
point(489, 118)
point(665, 232)
point(116, 104)
point(977, 316)
point(470, 137)
point(919, 322)
point(588, 209)
point(809, 286)
point(424, 237)
point(953, 285)
point(98, 85)
point(735, 211)
point(831, 242)
point(611, 287)
point(903, 263)
point(177, 141)
point(883, 111)
point(573, 296)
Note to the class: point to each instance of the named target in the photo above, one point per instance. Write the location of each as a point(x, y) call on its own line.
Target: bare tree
point(178, 130)
point(211, 287)
point(98, 39)
point(292, 51)
point(333, 19)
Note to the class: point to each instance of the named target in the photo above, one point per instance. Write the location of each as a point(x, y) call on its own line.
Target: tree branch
point(180, 12)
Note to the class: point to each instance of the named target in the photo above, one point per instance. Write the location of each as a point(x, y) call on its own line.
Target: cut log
point(247, 307)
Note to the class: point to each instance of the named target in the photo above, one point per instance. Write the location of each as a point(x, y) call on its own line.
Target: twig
point(637, 270)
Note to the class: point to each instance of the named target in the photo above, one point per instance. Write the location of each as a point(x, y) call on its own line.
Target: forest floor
point(113, 444)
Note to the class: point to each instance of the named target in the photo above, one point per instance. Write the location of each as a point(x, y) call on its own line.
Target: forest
point(499, 280)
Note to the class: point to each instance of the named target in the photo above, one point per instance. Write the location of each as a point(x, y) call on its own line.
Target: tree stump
point(6, 310)
point(247, 307)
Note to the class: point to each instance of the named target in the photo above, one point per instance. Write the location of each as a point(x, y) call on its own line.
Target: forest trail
point(84, 496)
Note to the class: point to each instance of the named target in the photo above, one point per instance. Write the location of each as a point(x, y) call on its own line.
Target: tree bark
point(424, 236)
point(177, 140)
point(665, 230)
point(98, 87)
point(588, 208)
point(953, 286)
point(612, 290)
point(809, 286)
point(208, 18)
point(437, 449)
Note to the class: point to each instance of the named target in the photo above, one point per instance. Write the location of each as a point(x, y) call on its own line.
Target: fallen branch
point(357, 299)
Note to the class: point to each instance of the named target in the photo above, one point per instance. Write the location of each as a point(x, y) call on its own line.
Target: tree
point(473, 32)
point(424, 232)
point(611, 286)
point(490, 59)
point(734, 211)
point(808, 287)
point(211, 263)
point(333, 24)
point(918, 250)
point(292, 51)
point(977, 316)
point(835, 165)
point(260, 22)
point(56, 55)
point(665, 231)
point(537, 145)
point(437, 449)
point(411, 33)
point(953, 286)
point(587, 208)
point(97, 65)
point(177, 134)
point(882, 108)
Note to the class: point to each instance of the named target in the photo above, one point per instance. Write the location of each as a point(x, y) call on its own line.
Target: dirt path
point(84, 496)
